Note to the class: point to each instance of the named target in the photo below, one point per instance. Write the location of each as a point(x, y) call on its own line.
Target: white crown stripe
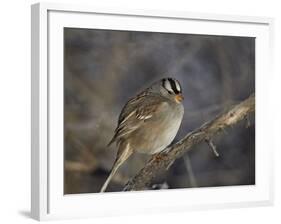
point(178, 86)
point(168, 86)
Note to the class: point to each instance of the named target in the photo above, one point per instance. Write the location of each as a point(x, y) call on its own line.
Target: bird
point(148, 122)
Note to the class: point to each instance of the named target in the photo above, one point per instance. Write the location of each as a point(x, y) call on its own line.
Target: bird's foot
point(158, 157)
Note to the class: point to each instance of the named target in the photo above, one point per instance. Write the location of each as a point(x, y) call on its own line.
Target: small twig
point(170, 164)
point(224, 131)
point(212, 146)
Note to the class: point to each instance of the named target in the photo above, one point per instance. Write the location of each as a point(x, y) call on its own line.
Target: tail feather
point(111, 141)
point(122, 156)
point(112, 172)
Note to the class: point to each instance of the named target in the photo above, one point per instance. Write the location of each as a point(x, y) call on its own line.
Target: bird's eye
point(170, 92)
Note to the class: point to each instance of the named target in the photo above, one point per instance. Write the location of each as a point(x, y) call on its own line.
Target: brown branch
point(212, 146)
point(162, 161)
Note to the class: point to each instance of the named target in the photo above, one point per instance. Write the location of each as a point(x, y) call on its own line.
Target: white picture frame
point(48, 201)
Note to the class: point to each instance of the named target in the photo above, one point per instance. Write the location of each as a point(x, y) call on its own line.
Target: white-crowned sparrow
point(149, 122)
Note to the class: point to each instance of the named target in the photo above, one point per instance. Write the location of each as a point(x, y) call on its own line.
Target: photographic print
point(153, 111)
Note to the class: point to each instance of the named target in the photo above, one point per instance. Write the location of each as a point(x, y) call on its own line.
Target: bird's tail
point(122, 156)
point(112, 172)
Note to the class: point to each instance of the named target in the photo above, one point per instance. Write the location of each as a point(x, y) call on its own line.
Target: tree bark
point(206, 132)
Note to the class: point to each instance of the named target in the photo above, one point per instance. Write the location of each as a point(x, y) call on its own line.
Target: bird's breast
point(157, 134)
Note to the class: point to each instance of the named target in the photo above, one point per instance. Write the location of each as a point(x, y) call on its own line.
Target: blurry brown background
point(103, 69)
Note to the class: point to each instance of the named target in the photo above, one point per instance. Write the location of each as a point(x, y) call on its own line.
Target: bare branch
point(212, 146)
point(161, 161)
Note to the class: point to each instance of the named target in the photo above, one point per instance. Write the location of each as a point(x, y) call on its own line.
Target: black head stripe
point(163, 82)
point(174, 86)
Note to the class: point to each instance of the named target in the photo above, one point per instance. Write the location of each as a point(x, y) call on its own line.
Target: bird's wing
point(137, 111)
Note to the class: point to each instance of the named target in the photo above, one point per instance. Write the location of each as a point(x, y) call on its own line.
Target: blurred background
point(103, 69)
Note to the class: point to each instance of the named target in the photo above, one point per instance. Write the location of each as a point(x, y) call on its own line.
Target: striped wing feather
point(137, 111)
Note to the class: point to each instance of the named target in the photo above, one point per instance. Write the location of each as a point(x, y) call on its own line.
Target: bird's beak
point(179, 98)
